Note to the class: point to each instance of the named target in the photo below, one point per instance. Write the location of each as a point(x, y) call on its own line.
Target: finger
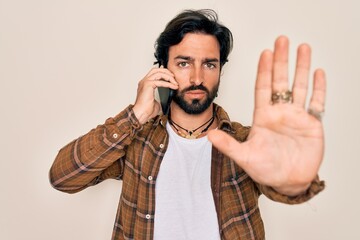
point(160, 69)
point(263, 80)
point(160, 83)
point(280, 65)
point(317, 101)
point(161, 73)
point(301, 75)
point(162, 76)
point(229, 146)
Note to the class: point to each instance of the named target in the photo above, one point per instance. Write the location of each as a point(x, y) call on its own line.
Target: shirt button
point(150, 178)
point(148, 216)
point(115, 135)
point(161, 145)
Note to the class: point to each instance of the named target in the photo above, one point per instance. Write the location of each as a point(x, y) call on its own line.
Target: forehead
point(196, 45)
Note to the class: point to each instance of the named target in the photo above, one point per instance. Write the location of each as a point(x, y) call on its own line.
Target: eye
point(210, 65)
point(183, 64)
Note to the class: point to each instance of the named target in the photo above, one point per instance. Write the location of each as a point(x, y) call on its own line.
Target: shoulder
point(236, 129)
point(239, 131)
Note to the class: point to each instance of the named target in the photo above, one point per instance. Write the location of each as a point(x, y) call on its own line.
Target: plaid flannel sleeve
point(315, 187)
point(96, 155)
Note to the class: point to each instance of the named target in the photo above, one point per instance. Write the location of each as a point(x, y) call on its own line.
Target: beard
point(196, 106)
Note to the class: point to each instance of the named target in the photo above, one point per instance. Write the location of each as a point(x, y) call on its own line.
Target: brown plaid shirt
point(123, 149)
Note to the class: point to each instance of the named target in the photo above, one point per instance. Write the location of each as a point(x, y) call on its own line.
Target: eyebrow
point(188, 58)
point(184, 57)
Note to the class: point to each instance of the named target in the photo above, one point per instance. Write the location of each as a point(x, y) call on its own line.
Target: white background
point(66, 66)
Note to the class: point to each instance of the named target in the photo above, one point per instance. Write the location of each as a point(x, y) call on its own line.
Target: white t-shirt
point(184, 204)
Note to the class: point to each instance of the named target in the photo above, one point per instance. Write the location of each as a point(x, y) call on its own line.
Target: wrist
point(292, 190)
point(141, 116)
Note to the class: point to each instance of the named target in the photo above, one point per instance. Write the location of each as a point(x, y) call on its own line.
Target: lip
point(196, 93)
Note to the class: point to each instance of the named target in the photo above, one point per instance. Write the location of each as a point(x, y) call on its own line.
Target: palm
point(285, 145)
point(284, 140)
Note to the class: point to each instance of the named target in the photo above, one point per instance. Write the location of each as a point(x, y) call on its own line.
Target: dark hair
point(193, 21)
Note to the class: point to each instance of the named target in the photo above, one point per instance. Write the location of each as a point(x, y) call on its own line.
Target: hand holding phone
point(146, 107)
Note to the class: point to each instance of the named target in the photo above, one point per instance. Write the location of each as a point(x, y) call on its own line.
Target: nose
point(197, 76)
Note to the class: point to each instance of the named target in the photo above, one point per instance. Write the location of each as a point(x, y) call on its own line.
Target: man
point(194, 174)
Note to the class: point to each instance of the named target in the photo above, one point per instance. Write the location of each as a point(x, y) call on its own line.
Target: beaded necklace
point(191, 134)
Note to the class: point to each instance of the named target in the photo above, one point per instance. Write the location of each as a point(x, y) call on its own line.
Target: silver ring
point(318, 115)
point(283, 97)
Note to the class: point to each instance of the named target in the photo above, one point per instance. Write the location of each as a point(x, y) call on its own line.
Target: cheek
point(182, 77)
point(212, 78)
point(213, 75)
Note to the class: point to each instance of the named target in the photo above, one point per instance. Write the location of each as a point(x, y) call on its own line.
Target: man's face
point(195, 62)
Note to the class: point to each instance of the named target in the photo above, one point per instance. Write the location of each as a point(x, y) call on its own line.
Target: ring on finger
point(283, 97)
point(317, 114)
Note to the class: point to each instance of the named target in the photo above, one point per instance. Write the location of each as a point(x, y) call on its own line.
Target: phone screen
point(165, 95)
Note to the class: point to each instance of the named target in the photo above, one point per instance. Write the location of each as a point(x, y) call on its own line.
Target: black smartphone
point(165, 95)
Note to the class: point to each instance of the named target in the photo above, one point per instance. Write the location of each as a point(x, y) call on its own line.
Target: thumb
point(229, 146)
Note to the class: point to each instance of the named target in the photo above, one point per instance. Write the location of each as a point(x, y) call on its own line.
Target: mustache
point(193, 87)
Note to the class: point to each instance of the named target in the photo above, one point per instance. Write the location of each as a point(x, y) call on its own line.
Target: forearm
point(82, 163)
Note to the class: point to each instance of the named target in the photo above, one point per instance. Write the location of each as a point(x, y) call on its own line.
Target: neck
point(192, 121)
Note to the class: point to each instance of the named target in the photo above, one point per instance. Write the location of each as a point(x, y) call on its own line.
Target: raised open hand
point(285, 146)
